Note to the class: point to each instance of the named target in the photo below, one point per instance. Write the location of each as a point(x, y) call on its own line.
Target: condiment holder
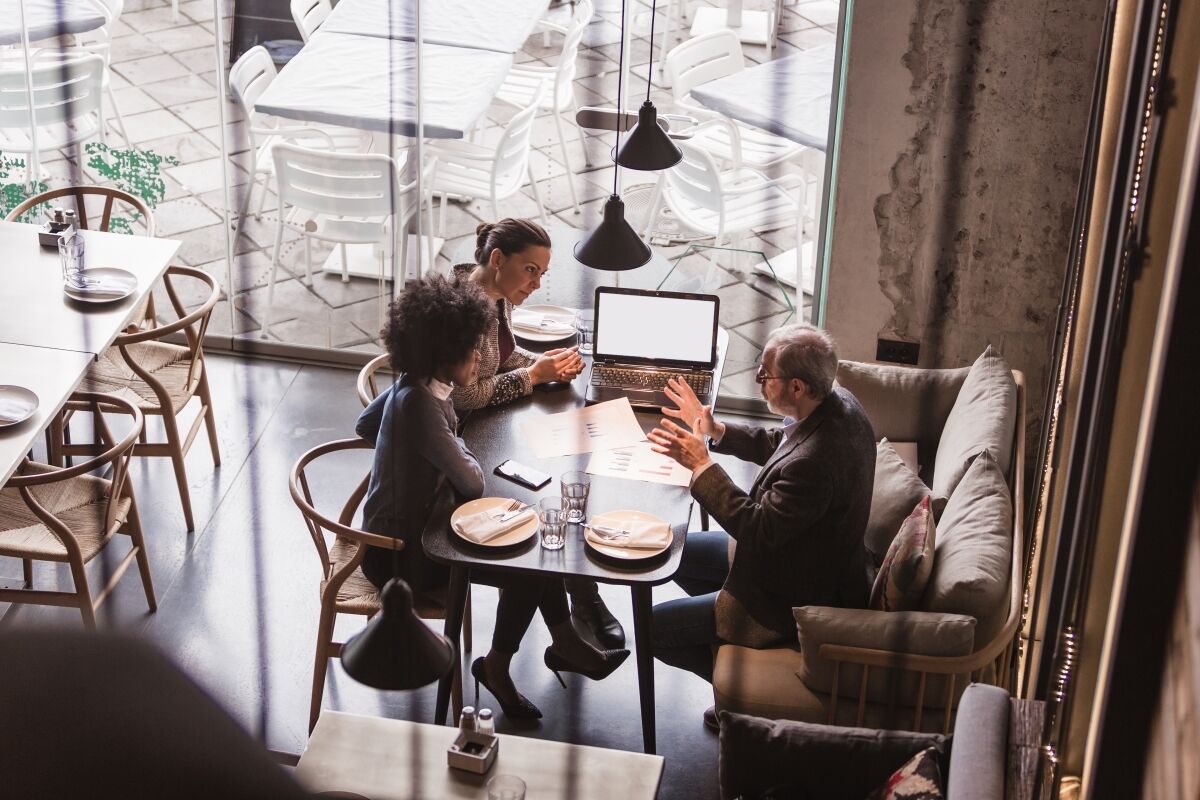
point(52, 229)
point(473, 751)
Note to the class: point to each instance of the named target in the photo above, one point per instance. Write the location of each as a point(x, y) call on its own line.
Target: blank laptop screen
point(659, 328)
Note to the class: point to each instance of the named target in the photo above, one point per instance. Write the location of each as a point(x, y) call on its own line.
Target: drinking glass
point(583, 324)
point(70, 253)
point(575, 488)
point(552, 514)
point(506, 787)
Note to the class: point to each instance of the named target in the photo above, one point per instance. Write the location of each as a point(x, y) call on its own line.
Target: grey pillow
point(973, 559)
point(983, 418)
point(897, 492)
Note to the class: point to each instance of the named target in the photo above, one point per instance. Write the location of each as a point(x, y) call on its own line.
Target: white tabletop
point(388, 759)
point(368, 83)
point(34, 310)
point(47, 18)
point(499, 25)
point(789, 97)
point(50, 374)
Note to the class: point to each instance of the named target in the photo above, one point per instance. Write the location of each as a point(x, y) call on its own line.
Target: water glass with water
point(506, 787)
point(552, 515)
point(583, 324)
point(70, 253)
point(575, 488)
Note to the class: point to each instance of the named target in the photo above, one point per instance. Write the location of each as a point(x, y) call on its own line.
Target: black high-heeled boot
point(523, 709)
point(588, 608)
point(611, 659)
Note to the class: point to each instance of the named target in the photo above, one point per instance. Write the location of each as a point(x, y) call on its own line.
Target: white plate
point(515, 536)
point(100, 272)
point(564, 315)
point(621, 520)
point(18, 394)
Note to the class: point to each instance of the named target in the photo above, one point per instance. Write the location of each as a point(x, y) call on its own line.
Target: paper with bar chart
point(639, 463)
point(584, 430)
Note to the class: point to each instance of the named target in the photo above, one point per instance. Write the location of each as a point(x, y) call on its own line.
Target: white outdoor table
point(50, 374)
point(789, 97)
point(752, 27)
point(499, 26)
point(47, 18)
point(34, 310)
point(389, 759)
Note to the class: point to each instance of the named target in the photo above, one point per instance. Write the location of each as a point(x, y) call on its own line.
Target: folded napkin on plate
point(106, 286)
point(485, 525)
point(12, 410)
point(533, 322)
point(643, 535)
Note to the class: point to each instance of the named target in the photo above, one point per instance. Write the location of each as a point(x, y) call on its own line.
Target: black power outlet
point(897, 352)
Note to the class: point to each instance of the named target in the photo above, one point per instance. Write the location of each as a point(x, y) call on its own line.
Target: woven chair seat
point(80, 503)
point(168, 363)
point(359, 596)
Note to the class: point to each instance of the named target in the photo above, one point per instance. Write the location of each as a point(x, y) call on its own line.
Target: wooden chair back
point(367, 385)
point(81, 193)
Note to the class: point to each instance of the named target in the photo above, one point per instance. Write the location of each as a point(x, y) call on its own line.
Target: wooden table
point(50, 374)
point(494, 435)
point(34, 310)
point(389, 759)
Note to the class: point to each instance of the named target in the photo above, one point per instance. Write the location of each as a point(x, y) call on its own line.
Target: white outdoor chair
point(706, 58)
point(346, 198)
point(66, 105)
point(725, 203)
point(309, 14)
point(466, 170)
point(248, 79)
point(524, 81)
point(676, 12)
point(99, 42)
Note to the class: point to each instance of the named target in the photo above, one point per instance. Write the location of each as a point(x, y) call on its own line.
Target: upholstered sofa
point(764, 758)
point(907, 669)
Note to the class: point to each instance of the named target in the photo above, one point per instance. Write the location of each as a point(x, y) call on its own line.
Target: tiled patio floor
point(163, 77)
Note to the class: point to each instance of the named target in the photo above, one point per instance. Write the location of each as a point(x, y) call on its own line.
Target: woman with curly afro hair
point(433, 335)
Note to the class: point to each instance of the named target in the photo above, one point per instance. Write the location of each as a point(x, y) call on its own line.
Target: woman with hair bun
point(511, 256)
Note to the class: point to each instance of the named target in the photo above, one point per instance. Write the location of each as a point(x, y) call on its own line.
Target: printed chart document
point(638, 462)
point(584, 430)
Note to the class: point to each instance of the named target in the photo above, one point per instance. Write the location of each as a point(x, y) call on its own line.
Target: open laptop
point(643, 338)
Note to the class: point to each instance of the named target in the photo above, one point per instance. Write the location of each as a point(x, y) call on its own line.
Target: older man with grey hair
point(798, 530)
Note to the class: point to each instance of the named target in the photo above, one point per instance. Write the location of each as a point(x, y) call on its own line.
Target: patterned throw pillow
point(919, 779)
point(908, 563)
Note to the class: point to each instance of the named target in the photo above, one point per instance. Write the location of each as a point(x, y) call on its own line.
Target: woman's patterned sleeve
point(493, 390)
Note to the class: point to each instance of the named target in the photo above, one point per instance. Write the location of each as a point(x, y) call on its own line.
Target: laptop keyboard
point(653, 380)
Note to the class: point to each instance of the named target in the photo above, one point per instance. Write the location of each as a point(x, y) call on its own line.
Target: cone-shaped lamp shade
point(648, 146)
point(397, 650)
point(612, 245)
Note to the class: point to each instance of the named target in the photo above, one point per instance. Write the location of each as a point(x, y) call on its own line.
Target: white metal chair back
point(703, 59)
point(338, 184)
point(512, 151)
point(63, 89)
point(309, 14)
point(697, 180)
point(564, 75)
point(250, 76)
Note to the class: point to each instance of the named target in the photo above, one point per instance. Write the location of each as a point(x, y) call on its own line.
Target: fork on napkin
point(106, 286)
point(637, 535)
point(533, 322)
point(483, 526)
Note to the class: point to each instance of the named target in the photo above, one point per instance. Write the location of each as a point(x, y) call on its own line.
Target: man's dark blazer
point(800, 528)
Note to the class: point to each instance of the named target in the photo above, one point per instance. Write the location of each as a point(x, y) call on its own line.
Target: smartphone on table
point(528, 477)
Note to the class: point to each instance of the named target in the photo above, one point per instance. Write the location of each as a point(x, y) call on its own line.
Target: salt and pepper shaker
point(466, 720)
point(54, 227)
point(72, 223)
point(486, 723)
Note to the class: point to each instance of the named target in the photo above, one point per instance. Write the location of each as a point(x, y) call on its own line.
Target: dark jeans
point(521, 595)
point(685, 630)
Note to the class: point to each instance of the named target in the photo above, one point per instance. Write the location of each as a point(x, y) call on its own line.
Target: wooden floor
point(238, 597)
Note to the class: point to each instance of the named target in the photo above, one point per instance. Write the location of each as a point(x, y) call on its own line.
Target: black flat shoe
point(557, 664)
point(522, 709)
point(596, 617)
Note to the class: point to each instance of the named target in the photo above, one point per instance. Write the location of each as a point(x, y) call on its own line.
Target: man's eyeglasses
point(761, 376)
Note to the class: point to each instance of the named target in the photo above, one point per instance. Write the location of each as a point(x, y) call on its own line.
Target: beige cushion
point(983, 418)
point(973, 558)
point(897, 492)
point(905, 404)
point(764, 683)
point(915, 632)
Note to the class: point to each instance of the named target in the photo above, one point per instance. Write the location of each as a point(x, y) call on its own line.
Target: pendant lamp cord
point(650, 66)
point(620, 92)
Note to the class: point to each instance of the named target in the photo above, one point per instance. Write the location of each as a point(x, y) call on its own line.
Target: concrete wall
point(961, 149)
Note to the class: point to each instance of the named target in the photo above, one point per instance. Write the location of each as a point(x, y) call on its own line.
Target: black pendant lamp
point(648, 146)
point(397, 650)
point(613, 245)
